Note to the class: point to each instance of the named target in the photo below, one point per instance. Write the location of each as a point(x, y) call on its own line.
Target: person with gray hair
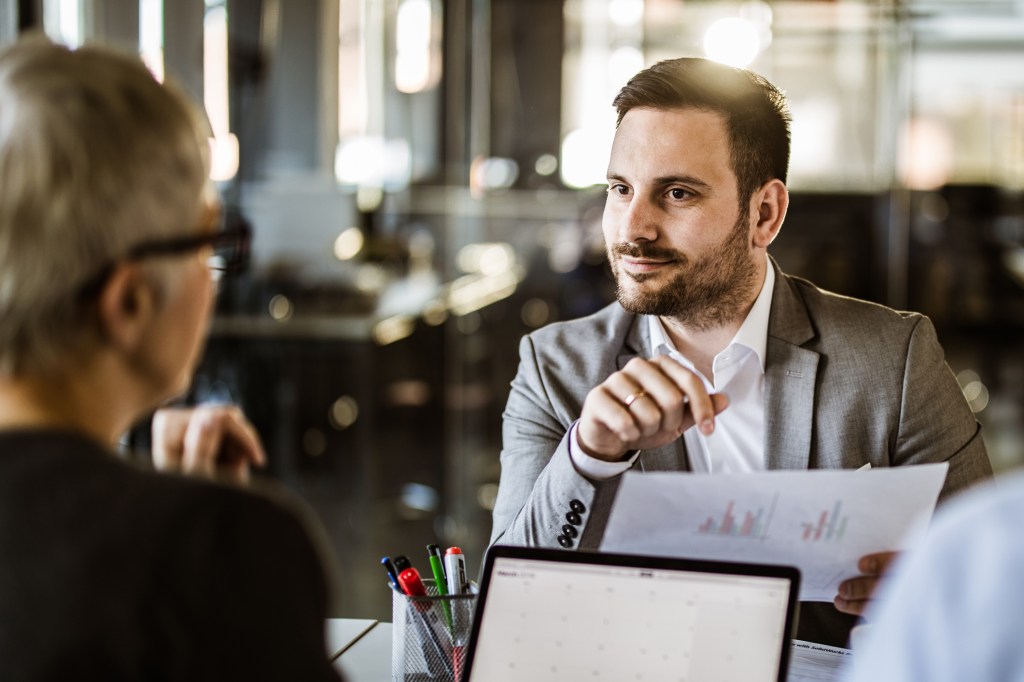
point(108, 232)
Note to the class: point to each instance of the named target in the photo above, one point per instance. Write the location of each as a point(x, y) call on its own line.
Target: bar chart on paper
point(752, 524)
point(830, 526)
point(822, 522)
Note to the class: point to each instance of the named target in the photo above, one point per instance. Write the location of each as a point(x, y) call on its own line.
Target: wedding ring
point(632, 398)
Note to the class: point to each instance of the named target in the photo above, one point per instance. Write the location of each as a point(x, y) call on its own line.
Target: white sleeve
point(592, 467)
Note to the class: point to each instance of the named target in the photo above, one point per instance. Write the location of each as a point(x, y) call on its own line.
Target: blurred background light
point(343, 412)
point(349, 243)
point(585, 157)
point(626, 12)
point(733, 41)
point(925, 159)
point(224, 145)
point(280, 308)
point(493, 173)
point(546, 164)
point(151, 36)
point(370, 160)
point(412, 43)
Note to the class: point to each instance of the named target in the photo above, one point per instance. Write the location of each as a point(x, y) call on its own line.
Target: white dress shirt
point(737, 444)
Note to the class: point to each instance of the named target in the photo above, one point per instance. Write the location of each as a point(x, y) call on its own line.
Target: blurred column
point(527, 43)
point(8, 20)
point(19, 15)
point(116, 23)
point(895, 55)
point(183, 44)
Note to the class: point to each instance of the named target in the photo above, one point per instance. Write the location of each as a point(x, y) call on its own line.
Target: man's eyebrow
point(668, 180)
point(682, 180)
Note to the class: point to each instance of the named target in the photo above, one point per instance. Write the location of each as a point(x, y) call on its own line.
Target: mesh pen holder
point(429, 634)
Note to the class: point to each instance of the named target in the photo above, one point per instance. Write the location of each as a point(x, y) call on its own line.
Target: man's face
point(677, 242)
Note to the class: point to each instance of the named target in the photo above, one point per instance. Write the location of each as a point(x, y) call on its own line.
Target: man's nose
point(640, 221)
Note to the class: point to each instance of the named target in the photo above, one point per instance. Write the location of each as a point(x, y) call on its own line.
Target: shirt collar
point(752, 334)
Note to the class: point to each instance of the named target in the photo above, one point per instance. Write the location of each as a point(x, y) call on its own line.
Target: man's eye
point(677, 193)
point(619, 189)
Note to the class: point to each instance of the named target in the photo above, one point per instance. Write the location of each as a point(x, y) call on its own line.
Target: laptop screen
point(557, 615)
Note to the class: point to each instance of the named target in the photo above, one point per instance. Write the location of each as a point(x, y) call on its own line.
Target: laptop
point(547, 614)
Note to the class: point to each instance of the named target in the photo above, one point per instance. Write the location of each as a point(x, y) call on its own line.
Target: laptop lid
point(546, 614)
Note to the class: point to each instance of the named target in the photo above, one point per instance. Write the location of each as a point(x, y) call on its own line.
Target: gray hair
point(96, 157)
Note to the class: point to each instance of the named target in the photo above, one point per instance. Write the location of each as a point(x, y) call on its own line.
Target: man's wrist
point(593, 467)
point(628, 455)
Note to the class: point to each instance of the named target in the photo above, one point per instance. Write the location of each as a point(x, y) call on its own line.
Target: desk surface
point(360, 649)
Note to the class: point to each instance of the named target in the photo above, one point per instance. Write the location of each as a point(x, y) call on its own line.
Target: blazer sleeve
point(936, 423)
point(538, 484)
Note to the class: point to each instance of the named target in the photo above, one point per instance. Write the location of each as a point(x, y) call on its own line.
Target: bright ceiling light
point(733, 41)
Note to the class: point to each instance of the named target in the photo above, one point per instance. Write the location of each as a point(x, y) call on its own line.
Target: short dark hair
point(756, 112)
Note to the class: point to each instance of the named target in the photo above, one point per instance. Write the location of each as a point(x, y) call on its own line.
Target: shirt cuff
point(592, 467)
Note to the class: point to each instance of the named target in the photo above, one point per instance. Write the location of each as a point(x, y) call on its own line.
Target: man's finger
point(876, 564)
point(701, 407)
point(167, 436)
point(202, 443)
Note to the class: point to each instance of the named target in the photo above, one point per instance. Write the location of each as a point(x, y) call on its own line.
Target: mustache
point(646, 251)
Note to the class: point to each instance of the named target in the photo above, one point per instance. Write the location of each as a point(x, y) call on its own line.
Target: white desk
point(360, 649)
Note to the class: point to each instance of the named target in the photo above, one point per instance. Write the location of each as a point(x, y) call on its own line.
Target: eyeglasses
point(230, 248)
point(230, 253)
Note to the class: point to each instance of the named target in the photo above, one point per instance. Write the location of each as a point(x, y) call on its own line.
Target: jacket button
point(577, 506)
point(574, 518)
point(564, 541)
point(570, 531)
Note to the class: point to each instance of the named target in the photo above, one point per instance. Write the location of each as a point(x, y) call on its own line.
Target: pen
point(434, 554)
point(392, 573)
point(455, 565)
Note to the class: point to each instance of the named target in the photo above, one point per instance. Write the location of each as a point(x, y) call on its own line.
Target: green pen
point(437, 568)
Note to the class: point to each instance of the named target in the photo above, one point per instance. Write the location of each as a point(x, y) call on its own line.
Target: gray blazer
point(847, 382)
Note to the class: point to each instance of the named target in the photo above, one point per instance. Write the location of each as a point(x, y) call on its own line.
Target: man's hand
point(856, 594)
point(647, 404)
point(211, 441)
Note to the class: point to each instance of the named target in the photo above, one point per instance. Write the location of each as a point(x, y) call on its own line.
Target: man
point(696, 194)
point(107, 229)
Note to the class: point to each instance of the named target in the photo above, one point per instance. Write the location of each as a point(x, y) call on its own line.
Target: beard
point(703, 293)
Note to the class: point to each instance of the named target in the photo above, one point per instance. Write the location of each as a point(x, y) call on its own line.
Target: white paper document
point(821, 521)
point(810, 662)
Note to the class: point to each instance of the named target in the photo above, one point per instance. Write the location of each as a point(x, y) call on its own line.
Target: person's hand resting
point(211, 441)
point(646, 404)
point(856, 594)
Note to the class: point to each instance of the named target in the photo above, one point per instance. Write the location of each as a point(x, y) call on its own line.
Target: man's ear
point(126, 306)
point(770, 203)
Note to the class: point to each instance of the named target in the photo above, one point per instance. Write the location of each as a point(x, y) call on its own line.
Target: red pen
point(409, 581)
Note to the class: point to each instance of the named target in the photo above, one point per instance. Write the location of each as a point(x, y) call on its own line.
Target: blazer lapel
point(790, 380)
point(671, 457)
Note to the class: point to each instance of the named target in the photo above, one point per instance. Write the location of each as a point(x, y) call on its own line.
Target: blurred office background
point(424, 181)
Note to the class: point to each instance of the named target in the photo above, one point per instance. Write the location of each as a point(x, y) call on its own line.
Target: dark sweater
point(109, 572)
